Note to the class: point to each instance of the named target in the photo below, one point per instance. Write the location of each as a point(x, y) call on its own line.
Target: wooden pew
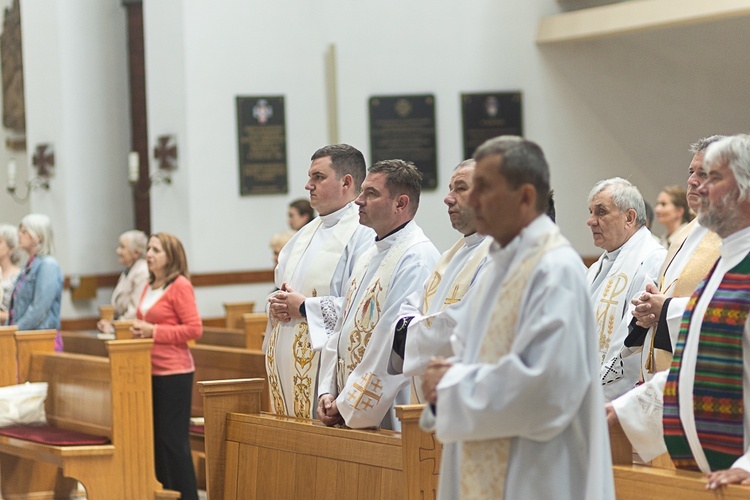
point(109, 396)
point(122, 329)
point(8, 362)
point(218, 363)
point(254, 455)
point(45, 477)
point(220, 336)
point(254, 325)
point(233, 312)
point(250, 336)
point(212, 362)
point(640, 482)
point(84, 342)
point(32, 341)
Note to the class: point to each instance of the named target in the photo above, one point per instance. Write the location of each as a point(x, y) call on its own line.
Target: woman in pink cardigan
point(167, 312)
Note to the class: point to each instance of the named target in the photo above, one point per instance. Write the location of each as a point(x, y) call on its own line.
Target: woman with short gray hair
point(131, 253)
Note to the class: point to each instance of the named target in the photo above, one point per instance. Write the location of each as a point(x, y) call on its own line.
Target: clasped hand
point(328, 412)
point(432, 377)
point(142, 329)
point(284, 304)
point(648, 307)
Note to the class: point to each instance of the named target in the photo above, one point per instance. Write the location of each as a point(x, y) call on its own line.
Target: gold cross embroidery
point(366, 392)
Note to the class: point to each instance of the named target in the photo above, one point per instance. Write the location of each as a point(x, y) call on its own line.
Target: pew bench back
point(219, 363)
point(79, 396)
point(106, 396)
point(225, 337)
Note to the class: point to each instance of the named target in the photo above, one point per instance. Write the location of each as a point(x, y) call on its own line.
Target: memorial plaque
point(404, 127)
point(488, 115)
point(261, 138)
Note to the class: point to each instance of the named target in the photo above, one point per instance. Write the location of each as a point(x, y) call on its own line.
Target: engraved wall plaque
point(404, 127)
point(488, 115)
point(261, 138)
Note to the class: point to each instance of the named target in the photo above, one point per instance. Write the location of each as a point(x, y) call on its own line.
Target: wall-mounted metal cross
point(44, 160)
point(166, 152)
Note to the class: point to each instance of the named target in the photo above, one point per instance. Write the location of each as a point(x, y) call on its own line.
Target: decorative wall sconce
point(43, 162)
point(165, 153)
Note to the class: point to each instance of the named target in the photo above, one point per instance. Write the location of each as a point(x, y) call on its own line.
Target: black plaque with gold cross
point(261, 138)
point(488, 115)
point(404, 127)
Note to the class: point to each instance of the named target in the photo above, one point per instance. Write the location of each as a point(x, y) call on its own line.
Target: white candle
point(12, 173)
point(134, 166)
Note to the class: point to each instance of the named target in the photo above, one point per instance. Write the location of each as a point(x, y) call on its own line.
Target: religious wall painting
point(11, 58)
point(488, 115)
point(403, 127)
point(261, 141)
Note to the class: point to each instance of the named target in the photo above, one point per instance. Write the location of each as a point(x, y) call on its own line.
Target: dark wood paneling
point(138, 115)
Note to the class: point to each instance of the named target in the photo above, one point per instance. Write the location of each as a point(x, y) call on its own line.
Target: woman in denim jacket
point(35, 303)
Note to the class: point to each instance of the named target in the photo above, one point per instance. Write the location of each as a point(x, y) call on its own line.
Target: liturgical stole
point(316, 283)
point(355, 335)
point(717, 391)
point(484, 463)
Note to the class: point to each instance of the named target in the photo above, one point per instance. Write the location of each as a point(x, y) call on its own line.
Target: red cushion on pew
point(52, 435)
point(197, 429)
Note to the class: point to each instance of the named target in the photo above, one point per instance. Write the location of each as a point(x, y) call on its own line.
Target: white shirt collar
point(735, 244)
point(330, 220)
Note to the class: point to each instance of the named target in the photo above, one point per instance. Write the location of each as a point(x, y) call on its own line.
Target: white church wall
point(76, 84)
point(599, 109)
point(234, 48)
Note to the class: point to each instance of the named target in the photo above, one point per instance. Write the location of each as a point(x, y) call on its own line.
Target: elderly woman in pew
point(131, 253)
point(10, 258)
point(37, 294)
point(167, 312)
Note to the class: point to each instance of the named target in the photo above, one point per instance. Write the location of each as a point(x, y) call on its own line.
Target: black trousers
point(174, 464)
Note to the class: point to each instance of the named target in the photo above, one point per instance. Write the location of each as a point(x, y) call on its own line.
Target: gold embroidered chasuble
point(462, 281)
point(484, 463)
point(693, 271)
point(293, 382)
point(362, 385)
point(427, 337)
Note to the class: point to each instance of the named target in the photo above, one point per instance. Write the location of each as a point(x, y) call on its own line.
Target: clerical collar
point(735, 243)
point(472, 239)
point(399, 228)
point(333, 218)
point(614, 253)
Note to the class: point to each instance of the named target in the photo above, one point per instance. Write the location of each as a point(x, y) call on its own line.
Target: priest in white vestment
point(317, 264)
point(428, 316)
point(355, 386)
point(695, 410)
point(693, 251)
point(518, 407)
point(632, 259)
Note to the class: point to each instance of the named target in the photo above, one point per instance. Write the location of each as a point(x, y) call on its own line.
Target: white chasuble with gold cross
point(523, 390)
point(614, 280)
point(433, 309)
point(317, 262)
point(356, 357)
